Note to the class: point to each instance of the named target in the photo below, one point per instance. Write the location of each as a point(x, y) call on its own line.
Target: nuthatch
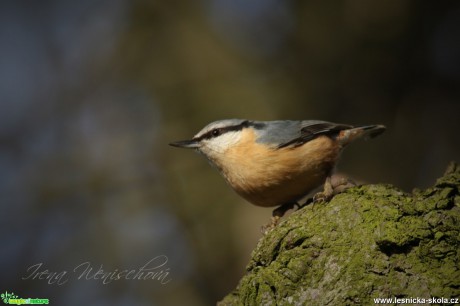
point(274, 163)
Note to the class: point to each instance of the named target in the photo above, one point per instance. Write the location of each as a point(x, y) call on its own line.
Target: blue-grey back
point(282, 131)
point(278, 134)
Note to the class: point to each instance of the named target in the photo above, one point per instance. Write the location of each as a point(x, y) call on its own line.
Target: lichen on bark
point(371, 241)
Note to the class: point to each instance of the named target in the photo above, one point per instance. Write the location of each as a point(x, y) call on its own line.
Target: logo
point(12, 299)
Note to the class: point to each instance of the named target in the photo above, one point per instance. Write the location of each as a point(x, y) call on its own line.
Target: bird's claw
point(333, 185)
point(270, 226)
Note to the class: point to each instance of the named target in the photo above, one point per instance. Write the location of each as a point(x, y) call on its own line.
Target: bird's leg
point(277, 214)
point(280, 211)
point(333, 185)
point(341, 182)
point(308, 201)
point(326, 194)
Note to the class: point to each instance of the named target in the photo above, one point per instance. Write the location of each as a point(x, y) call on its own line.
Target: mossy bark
point(372, 241)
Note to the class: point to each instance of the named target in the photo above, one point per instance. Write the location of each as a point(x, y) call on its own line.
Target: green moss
point(369, 241)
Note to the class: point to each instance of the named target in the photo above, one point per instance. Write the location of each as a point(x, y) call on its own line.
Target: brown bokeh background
point(92, 92)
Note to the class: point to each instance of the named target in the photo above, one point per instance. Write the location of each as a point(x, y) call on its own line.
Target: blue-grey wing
point(274, 133)
point(285, 133)
point(310, 129)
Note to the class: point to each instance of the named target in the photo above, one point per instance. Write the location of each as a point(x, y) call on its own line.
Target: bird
point(276, 163)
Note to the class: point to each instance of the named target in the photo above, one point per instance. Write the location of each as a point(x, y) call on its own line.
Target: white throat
point(214, 148)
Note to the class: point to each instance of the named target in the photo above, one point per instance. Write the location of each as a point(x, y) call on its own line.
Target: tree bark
point(371, 241)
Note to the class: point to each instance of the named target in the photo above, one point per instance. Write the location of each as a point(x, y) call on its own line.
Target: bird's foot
point(281, 211)
point(277, 214)
point(333, 185)
point(271, 225)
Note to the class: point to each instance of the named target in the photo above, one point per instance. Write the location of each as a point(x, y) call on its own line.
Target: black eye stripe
point(219, 131)
point(215, 132)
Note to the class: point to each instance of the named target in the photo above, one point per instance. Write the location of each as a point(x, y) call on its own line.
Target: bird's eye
point(215, 132)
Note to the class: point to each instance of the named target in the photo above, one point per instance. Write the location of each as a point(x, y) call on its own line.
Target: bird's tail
point(366, 131)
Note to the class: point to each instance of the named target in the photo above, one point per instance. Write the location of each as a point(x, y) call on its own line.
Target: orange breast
point(269, 177)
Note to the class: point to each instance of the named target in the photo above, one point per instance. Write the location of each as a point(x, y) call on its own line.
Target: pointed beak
point(186, 144)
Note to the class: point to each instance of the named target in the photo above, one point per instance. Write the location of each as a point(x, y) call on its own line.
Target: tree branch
point(372, 241)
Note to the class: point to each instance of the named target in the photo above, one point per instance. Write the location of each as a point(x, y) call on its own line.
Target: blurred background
point(91, 93)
